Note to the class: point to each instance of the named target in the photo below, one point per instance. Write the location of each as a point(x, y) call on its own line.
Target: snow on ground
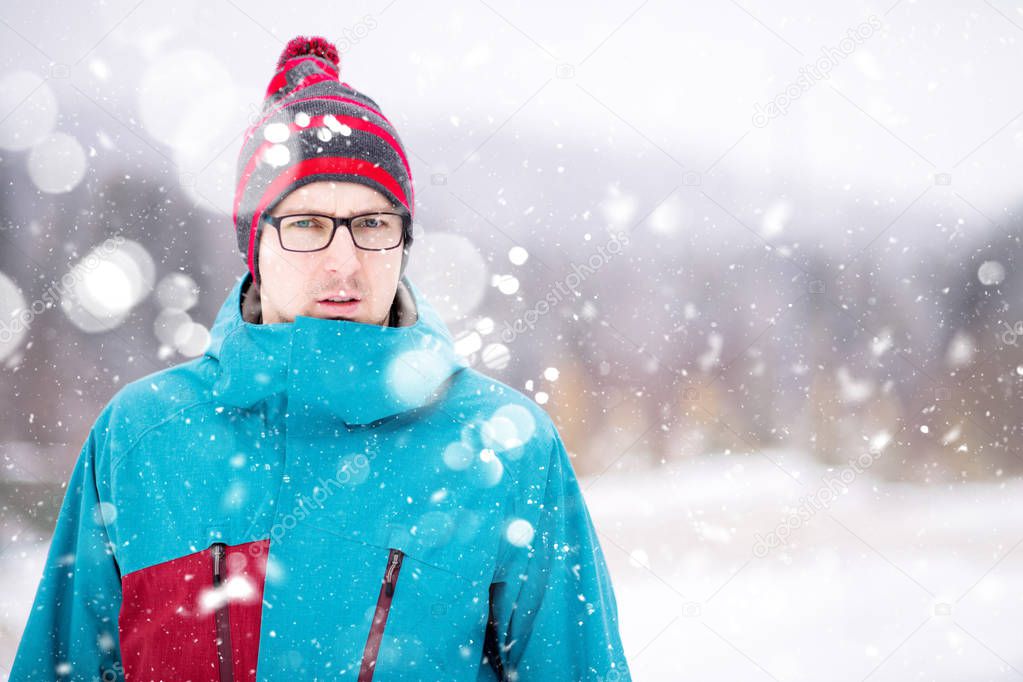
point(21, 566)
point(882, 582)
point(885, 582)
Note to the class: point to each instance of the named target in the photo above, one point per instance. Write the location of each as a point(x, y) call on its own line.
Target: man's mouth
point(339, 304)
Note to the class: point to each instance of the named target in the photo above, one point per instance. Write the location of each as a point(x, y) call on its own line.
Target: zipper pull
point(218, 550)
point(392, 566)
point(222, 616)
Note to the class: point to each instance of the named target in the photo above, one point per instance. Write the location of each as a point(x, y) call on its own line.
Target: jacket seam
point(236, 326)
point(91, 481)
point(502, 559)
point(138, 439)
point(114, 464)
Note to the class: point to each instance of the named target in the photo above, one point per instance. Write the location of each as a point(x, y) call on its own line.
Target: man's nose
point(341, 255)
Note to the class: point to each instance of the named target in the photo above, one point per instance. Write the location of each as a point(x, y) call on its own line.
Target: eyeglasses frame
point(275, 221)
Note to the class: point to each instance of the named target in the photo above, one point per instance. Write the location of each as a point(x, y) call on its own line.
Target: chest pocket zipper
point(225, 659)
point(376, 630)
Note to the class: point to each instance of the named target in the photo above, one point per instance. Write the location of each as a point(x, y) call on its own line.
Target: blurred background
point(759, 261)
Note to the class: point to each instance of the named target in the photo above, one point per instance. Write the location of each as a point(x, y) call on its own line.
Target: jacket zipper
point(376, 630)
point(225, 663)
point(491, 639)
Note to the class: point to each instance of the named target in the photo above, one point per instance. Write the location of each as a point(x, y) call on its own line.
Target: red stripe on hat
point(319, 164)
point(333, 98)
point(317, 121)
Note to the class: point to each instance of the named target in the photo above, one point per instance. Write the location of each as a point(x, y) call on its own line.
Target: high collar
point(333, 369)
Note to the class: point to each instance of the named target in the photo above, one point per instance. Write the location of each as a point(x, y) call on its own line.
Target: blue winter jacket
point(320, 500)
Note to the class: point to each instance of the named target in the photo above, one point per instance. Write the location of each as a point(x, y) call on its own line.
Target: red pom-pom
point(301, 45)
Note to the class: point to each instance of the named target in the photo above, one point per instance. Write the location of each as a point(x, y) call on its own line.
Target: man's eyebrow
point(323, 211)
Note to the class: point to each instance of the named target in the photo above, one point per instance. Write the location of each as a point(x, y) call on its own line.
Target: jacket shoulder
point(151, 400)
point(515, 427)
point(479, 395)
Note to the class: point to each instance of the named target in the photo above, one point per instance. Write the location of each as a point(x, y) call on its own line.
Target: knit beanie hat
point(314, 127)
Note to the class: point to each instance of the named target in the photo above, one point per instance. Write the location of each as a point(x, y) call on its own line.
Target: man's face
point(294, 283)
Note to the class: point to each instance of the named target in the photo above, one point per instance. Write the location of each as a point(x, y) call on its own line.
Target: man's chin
point(326, 315)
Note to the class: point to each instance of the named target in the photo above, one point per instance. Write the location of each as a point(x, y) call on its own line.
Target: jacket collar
point(333, 369)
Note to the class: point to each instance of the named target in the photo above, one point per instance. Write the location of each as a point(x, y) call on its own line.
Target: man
point(329, 492)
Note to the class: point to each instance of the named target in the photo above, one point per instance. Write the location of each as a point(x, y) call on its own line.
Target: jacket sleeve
point(72, 629)
point(553, 610)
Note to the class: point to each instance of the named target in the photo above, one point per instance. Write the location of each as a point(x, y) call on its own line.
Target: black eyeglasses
point(379, 231)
